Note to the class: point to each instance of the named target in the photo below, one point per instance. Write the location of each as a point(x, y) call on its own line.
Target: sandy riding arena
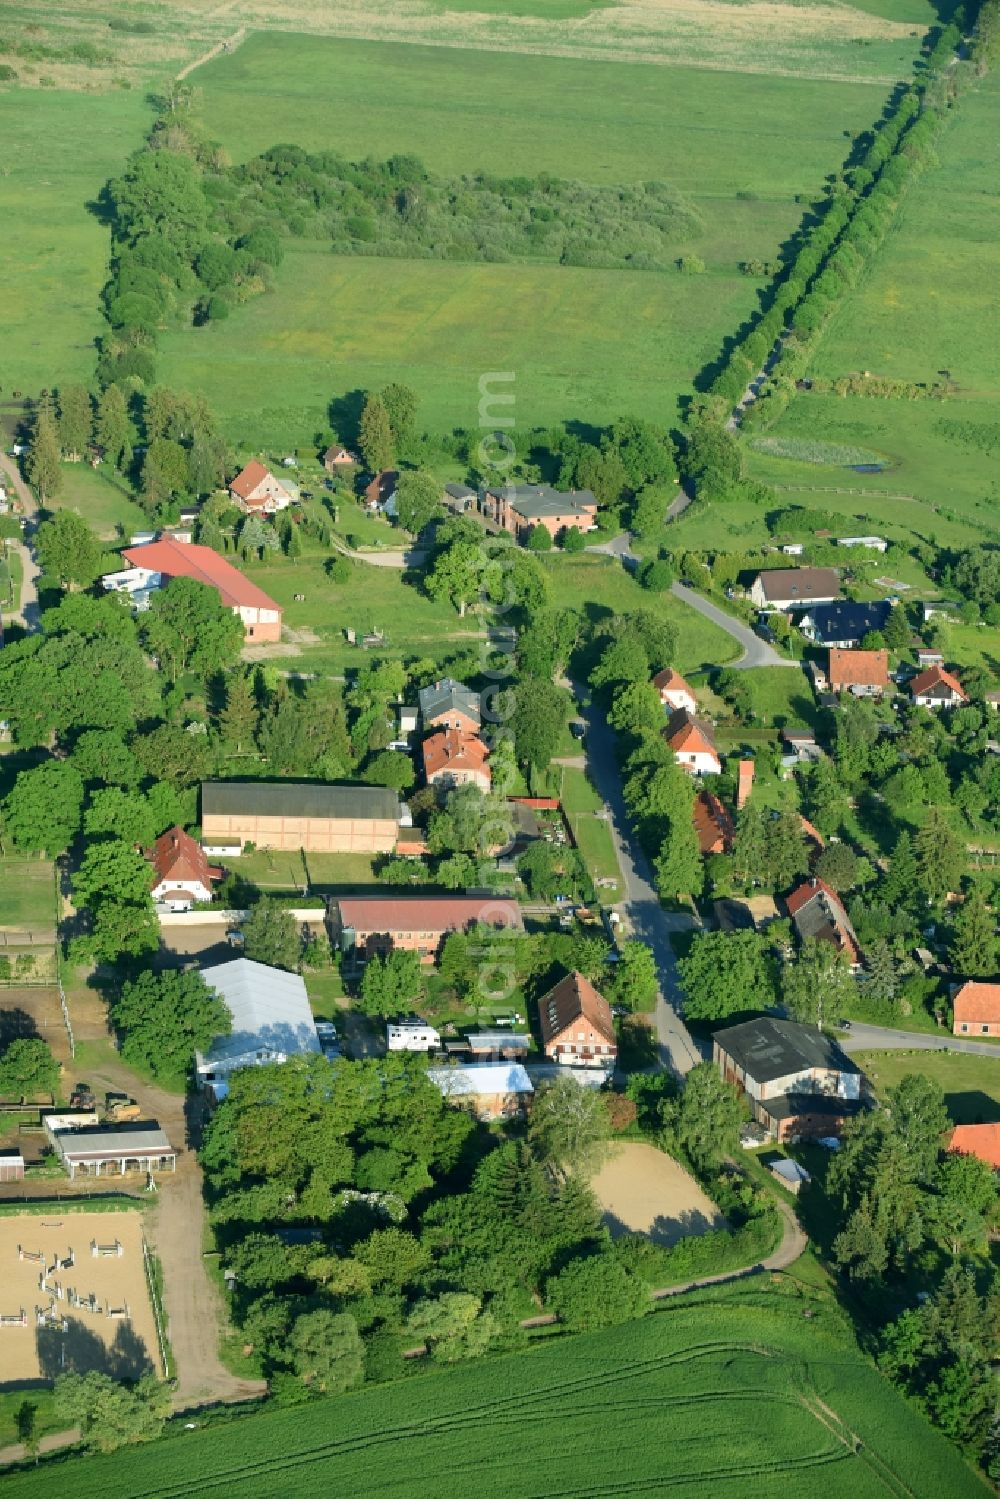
point(643, 1191)
point(73, 1296)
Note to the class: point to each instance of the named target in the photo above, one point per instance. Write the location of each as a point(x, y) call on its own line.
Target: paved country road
point(649, 922)
point(882, 1038)
point(756, 652)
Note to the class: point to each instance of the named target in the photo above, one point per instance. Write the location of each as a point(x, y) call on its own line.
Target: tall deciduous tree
point(418, 501)
point(326, 1350)
point(110, 1414)
point(569, 1125)
point(391, 985)
point(818, 984)
point(457, 575)
point(68, 549)
point(189, 629)
point(400, 404)
point(705, 1120)
point(375, 435)
point(596, 1291)
point(727, 973)
point(27, 1068)
point(42, 813)
point(539, 712)
point(165, 1017)
point(271, 935)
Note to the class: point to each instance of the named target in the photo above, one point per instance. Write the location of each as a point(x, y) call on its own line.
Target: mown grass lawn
point(971, 1083)
point(104, 504)
point(27, 893)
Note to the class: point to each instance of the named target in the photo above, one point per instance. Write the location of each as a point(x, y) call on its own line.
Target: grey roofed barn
point(270, 1012)
point(767, 1049)
point(297, 799)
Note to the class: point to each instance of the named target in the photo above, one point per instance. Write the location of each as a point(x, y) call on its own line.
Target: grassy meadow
point(927, 305)
point(971, 1083)
point(103, 505)
point(729, 1392)
point(59, 149)
point(741, 147)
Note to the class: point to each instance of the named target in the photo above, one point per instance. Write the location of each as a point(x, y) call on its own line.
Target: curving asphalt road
point(649, 922)
point(756, 652)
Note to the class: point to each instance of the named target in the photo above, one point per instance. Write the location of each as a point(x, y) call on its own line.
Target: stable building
point(373, 924)
point(311, 815)
point(796, 1080)
point(154, 564)
point(577, 1026)
point(111, 1149)
point(489, 1090)
point(272, 1020)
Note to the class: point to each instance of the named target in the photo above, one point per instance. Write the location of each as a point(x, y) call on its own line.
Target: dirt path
point(226, 45)
point(27, 613)
point(192, 1305)
point(793, 1243)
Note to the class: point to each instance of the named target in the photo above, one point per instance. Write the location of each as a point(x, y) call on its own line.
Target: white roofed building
point(491, 1090)
point(271, 1018)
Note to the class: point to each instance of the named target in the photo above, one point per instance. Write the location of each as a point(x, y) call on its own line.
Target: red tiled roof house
point(980, 1140)
point(674, 691)
point(977, 1010)
point(181, 871)
point(257, 492)
point(862, 673)
point(713, 824)
point(693, 743)
point(157, 563)
point(452, 758)
point(414, 923)
point(937, 688)
point(576, 1025)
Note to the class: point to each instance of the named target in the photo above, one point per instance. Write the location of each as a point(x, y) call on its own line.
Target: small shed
point(789, 1173)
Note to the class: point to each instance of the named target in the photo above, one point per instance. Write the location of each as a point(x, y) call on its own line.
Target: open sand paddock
point(643, 1191)
point(123, 1346)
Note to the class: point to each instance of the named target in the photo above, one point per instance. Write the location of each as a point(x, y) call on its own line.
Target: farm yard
point(644, 1191)
point(732, 1392)
point(101, 1335)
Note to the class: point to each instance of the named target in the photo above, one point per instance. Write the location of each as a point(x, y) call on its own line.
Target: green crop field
point(740, 146)
point(971, 1083)
point(732, 1394)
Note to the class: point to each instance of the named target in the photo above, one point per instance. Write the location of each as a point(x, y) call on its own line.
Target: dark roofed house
point(312, 815)
point(576, 1024)
point(818, 913)
point(797, 1081)
point(460, 498)
point(795, 587)
point(448, 704)
point(518, 508)
point(844, 624)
